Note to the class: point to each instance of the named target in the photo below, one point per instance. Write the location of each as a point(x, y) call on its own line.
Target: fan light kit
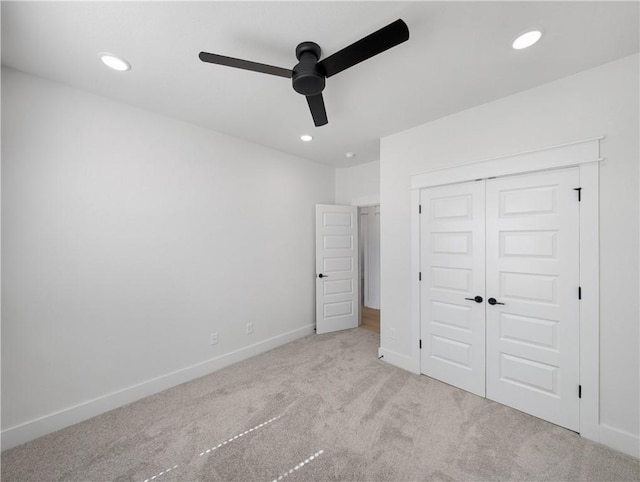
point(306, 138)
point(310, 74)
point(115, 63)
point(526, 39)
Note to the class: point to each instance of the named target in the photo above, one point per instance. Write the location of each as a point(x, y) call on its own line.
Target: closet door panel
point(452, 267)
point(532, 260)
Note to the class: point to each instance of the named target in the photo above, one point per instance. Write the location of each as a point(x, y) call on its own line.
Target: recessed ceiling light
point(349, 155)
point(114, 62)
point(527, 39)
point(306, 138)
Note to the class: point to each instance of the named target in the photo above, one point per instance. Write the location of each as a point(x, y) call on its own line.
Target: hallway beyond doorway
point(371, 319)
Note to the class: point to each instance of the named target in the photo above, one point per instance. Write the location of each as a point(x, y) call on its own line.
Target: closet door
point(532, 263)
point(452, 267)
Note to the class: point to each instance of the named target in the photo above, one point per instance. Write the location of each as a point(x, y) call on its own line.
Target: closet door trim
point(566, 155)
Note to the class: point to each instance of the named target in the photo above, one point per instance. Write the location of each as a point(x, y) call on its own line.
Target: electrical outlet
point(393, 333)
point(213, 338)
point(249, 328)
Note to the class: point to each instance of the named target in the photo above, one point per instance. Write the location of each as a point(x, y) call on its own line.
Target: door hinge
point(420, 344)
point(579, 292)
point(579, 391)
point(420, 276)
point(419, 208)
point(579, 189)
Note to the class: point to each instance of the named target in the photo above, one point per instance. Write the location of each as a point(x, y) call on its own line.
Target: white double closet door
point(512, 241)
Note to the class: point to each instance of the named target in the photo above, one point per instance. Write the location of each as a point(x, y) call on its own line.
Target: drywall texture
point(129, 237)
point(358, 185)
point(598, 102)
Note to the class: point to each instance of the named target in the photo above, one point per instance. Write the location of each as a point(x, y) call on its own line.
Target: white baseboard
point(396, 359)
point(27, 431)
point(619, 440)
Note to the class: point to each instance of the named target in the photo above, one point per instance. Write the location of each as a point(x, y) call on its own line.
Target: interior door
point(453, 285)
point(532, 257)
point(337, 306)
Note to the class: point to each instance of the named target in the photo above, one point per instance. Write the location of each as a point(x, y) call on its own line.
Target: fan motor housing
point(307, 78)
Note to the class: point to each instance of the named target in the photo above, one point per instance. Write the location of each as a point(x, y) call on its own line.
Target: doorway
point(369, 241)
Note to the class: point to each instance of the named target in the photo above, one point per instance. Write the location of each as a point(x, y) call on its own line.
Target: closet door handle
point(492, 301)
point(322, 275)
point(477, 299)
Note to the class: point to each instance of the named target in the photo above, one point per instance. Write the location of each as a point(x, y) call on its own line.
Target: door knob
point(322, 275)
point(492, 301)
point(477, 299)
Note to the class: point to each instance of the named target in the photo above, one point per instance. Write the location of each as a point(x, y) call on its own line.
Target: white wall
point(358, 185)
point(128, 238)
point(601, 101)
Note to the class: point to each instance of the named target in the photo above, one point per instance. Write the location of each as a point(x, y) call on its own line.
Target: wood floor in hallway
point(371, 319)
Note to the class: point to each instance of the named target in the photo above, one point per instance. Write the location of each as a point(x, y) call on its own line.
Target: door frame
point(584, 154)
point(365, 202)
point(366, 252)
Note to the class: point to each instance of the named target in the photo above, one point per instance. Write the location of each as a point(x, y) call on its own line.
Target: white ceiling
point(458, 56)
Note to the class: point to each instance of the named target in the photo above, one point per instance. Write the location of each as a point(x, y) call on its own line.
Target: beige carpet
point(321, 408)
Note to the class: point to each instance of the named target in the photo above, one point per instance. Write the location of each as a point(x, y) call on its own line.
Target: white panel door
point(452, 269)
point(532, 257)
point(337, 306)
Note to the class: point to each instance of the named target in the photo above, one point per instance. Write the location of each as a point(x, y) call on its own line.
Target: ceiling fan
point(309, 75)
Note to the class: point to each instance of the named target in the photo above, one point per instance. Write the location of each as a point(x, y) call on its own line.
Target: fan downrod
point(307, 78)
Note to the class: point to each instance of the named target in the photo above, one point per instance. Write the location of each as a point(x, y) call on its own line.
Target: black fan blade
point(244, 64)
point(318, 112)
point(393, 34)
